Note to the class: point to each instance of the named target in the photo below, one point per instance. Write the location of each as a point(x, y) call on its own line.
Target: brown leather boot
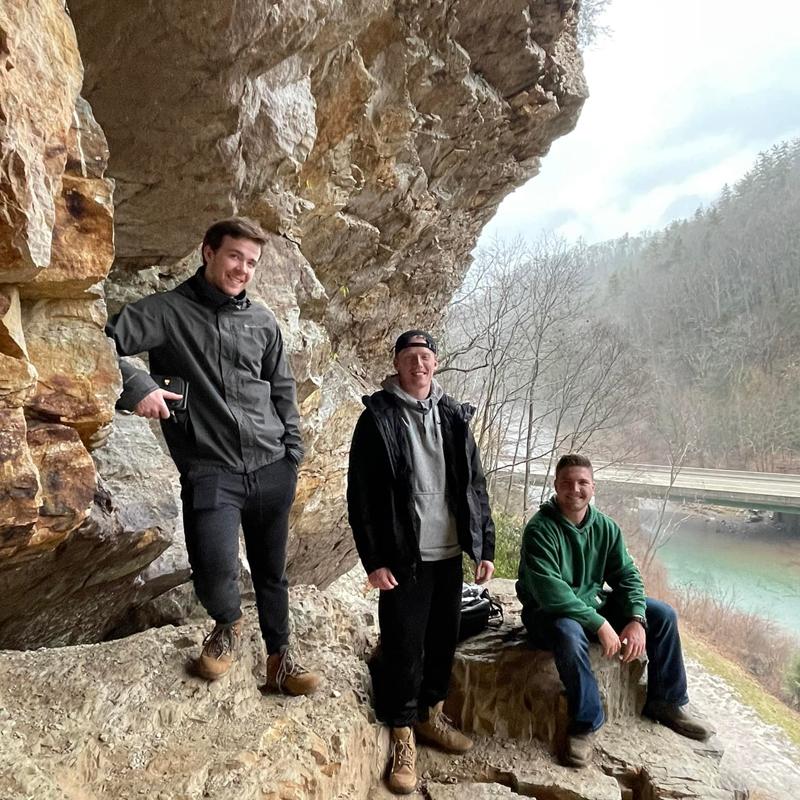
point(440, 732)
point(578, 750)
point(403, 772)
point(220, 650)
point(680, 719)
point(288, 676)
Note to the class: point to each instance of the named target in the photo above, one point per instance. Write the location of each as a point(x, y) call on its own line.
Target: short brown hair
point(236, 228)
point(573, 460)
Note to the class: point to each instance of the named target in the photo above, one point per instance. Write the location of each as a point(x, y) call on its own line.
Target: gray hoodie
point(438, 537)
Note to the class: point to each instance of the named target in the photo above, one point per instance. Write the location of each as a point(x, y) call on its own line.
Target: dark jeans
point(214, 506)
point(666, 676)
point(419, 631)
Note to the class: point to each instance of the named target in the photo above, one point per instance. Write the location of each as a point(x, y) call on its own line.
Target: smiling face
point(415, 369)
point(230, 267)
point(574, 489)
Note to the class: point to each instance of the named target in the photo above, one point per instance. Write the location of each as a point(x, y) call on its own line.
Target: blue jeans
point(569, 642)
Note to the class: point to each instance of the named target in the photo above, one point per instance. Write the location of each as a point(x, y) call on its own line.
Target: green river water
point(754, 566)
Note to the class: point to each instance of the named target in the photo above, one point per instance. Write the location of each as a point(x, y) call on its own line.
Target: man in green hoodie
point(570, 552)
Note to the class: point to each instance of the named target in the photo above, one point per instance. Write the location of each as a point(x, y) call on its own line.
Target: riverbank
point(743, 522)
point(761, 735)
point(734, 583)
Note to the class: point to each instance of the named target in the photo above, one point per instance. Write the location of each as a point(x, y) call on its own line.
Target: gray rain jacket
point(242, 407)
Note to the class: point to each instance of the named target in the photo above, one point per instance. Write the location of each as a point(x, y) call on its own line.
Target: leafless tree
point(590, 25)
point(544, 374)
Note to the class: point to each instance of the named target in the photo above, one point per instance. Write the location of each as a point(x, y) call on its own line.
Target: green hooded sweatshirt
point(563, 569)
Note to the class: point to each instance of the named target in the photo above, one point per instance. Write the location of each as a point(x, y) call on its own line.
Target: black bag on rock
point(478, 611)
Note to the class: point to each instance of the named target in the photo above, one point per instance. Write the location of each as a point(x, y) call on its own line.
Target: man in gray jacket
point(234, 436)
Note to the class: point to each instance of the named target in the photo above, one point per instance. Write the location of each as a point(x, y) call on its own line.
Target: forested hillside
point(711, 308)
point(681, 346)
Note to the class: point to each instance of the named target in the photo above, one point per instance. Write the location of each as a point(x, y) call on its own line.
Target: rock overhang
point(371, 138)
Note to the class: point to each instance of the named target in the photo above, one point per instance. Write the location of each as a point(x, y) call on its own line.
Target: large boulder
point(502, 686)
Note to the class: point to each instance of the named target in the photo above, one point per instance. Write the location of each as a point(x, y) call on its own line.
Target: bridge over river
point(769, 491)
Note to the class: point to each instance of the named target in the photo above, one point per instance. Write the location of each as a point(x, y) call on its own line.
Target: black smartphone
point(176, 384)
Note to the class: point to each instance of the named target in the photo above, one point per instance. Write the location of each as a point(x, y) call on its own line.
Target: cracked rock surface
point(127, 718)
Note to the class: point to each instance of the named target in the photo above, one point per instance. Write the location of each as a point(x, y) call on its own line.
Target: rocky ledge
point(127, 719)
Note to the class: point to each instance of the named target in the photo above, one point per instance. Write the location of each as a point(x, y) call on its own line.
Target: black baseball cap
point(404, 340)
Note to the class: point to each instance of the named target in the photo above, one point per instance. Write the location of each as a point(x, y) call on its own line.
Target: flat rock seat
point(502, 687)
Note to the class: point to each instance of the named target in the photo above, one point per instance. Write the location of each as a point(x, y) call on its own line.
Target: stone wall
point(371, 138)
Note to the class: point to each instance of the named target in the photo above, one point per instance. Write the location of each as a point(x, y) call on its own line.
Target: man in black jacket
point(417, 499)
point(235, 438)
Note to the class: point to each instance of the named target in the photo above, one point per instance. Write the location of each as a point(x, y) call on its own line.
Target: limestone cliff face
point(58, 373)
point(376, 137)
point(372, 138)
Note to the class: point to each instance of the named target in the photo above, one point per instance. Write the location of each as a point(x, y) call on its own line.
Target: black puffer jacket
point(379, 496)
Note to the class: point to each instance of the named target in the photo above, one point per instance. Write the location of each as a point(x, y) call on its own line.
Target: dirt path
point(757, 754)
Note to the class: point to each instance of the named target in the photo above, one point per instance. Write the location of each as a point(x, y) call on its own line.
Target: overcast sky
point(684, 95)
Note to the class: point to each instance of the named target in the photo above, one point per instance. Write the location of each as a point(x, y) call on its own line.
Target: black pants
point(419, 631)
point(214, 506)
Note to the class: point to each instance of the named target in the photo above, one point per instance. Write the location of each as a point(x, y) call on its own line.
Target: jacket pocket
point(180, 436)
point(475, 526)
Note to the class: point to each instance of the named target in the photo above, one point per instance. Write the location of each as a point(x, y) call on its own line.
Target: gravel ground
point(757, 754)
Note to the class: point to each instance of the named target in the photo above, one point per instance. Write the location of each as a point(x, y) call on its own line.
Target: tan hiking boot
point(441, 732)
point(287, 676)
point(403, 773)
point(220, 650)
point(578, 750)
